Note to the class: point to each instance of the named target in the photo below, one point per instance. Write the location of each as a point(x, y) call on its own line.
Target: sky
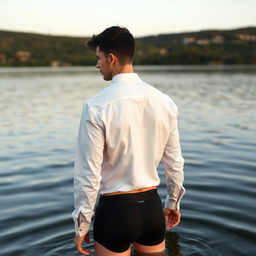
point(141, 17)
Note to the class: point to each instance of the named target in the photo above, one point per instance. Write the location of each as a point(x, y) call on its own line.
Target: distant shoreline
point(138, 68)
point(209, 47)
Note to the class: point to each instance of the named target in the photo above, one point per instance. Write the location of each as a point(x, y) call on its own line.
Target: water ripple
point(40, 112)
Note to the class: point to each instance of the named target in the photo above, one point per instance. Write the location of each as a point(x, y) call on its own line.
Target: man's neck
point(123, 69)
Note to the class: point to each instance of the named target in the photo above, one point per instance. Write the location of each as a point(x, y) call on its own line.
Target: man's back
point(137, 120)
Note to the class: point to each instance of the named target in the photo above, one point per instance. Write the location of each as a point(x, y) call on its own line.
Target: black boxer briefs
point(123, 219)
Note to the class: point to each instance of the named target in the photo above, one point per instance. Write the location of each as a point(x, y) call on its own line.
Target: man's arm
point(173, 164)
point(87, 170)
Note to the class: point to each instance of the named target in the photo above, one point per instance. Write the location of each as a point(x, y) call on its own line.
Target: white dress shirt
point(125, 131)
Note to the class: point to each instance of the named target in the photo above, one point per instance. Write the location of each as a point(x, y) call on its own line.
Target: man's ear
point(112, 58)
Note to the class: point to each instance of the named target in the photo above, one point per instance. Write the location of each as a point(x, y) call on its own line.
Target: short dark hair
point(116, 40)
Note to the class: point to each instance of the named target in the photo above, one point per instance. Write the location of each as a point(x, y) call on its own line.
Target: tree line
point(236, 46)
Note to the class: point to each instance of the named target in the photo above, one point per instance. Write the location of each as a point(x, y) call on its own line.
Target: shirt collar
point(133, 77)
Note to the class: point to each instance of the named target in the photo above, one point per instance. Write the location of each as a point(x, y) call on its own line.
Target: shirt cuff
point(174, 204)
point(82, 224)
point(83, 229)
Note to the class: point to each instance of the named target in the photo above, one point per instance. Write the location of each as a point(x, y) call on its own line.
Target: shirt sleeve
point(87, 168)
point(173, 165)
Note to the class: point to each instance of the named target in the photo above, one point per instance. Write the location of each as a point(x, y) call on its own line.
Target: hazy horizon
point(165, 33)
point(81, 18)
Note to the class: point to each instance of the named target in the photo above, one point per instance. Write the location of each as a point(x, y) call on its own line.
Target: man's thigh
point(100, 250)
point(153, 250)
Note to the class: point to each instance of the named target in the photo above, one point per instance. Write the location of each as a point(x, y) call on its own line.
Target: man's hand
point(172, 218)
point(79, 243)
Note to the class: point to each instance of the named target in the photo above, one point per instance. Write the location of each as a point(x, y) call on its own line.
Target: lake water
point(40, 113)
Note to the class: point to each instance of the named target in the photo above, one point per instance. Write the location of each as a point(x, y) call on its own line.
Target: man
point(125, 131)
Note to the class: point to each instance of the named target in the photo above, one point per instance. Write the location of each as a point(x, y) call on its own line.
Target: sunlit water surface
point(40, 113)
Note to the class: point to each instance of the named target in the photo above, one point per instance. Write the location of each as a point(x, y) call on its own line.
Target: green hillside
point(204, 47)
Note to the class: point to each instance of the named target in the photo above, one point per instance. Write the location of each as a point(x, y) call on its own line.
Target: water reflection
point(172, 244)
